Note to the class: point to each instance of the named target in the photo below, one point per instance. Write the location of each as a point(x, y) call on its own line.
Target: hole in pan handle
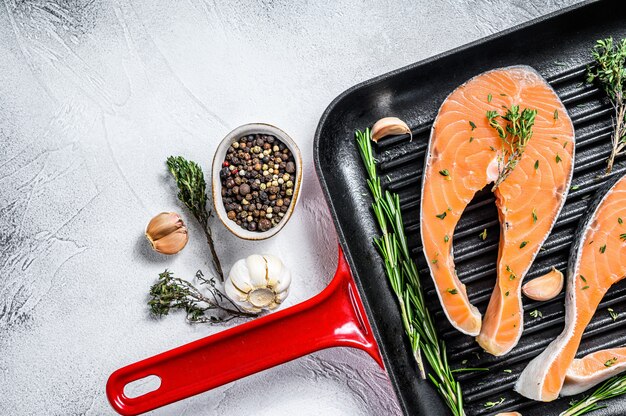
point(333, 318)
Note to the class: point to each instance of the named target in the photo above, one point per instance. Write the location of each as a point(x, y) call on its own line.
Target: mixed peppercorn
point(258, 179)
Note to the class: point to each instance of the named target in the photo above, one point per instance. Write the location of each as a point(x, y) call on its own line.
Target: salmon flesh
point(593, 369)
point(462, 158)
point(595, 264)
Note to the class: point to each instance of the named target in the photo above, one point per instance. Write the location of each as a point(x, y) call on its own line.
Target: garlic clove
point(234, 294)
point(284, 281)
point(240, 277)
point(544, 287)
point(274, 269)
point(257, 270)
point(171, 243)
point(389, 126)
point(281, 296)
point(167, 233)
point(163, 224)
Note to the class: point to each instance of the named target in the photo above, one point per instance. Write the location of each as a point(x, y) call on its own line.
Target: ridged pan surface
point(558, 46)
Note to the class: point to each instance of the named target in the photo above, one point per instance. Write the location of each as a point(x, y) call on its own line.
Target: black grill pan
point(558, 46)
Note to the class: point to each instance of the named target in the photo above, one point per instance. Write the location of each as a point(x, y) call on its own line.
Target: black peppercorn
point(244, 189)
point(264, 224)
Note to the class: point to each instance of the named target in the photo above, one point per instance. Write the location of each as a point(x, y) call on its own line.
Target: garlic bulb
point(258, 282)
point(167, 233)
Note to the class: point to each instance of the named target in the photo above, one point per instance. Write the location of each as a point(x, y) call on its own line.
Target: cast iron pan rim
point(324, 183)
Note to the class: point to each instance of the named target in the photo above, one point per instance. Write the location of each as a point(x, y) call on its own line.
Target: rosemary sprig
point(402, 273)
point(615, 386)
point(515, 135)
point(174, 293)
point(192, 192)
point(609, 72)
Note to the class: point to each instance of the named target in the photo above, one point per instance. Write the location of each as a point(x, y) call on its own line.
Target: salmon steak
point(464, 156)
point(597, 261)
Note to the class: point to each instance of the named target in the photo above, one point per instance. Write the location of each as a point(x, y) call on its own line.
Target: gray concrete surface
point(94, 95)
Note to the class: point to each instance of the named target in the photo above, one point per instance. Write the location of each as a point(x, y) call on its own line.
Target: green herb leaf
point(191, 186)
point(444, 172)
point(489, 405)
point(483, 235)
point(471, 139)
point(614, 315)
point(472, 125)
point(610, 362)
point(462, 370)
point(442, 215)
point(620, 221)
point(515, 134)
point(536, 313)
point(507, 371)
point(585, 288)
point(603, 249)
point(489, 97)
point(446, 238)
point(536, 164)
point(534, 215)
point(192, 192)
point(622, 236)
point(558, 158)
point(512, 275)
point(452, 291)
point(523, 244)
point(574, 187)
point(609, 72)
point(172, 293)
point(556, 114)
point(583, 278)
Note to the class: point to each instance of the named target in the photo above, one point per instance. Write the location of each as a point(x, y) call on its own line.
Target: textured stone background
point(94, 95)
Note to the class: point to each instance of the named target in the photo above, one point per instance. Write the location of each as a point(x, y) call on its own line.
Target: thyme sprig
point(609, 73)
point(192, 192)
point(515, 134)
point(402, 273)
point(172, 293)
point(615, 386)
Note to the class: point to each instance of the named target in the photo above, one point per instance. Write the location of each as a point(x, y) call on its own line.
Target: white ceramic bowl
point(218, 159)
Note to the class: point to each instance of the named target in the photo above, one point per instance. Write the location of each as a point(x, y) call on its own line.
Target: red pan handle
point(334, 318)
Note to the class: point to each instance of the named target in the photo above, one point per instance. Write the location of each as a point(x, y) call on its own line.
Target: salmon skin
point(597, 261)
point(462, 158)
